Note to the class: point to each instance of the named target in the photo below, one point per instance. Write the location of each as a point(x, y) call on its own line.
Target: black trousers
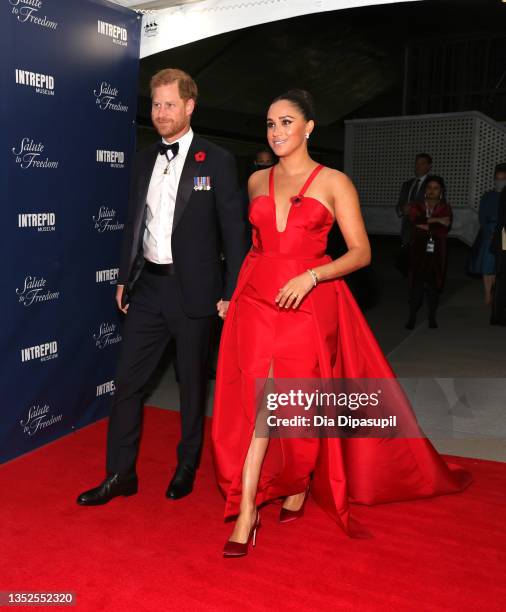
point(154, 317)
point(419, 287)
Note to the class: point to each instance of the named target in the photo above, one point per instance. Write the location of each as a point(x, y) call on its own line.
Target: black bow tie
point(164, 148)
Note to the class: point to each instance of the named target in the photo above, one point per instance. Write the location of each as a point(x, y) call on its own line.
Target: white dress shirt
point(161, 201)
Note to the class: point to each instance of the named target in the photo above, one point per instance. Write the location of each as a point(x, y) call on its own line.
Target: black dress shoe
point(181, 483)
point(432, 323)
point(411, 323)
point(113, 486)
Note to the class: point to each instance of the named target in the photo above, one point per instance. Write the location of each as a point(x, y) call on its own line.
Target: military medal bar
point(201, 183)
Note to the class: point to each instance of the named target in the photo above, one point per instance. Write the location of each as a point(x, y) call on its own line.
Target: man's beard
point(168, 130)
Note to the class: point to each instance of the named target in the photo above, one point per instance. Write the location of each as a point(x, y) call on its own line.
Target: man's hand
point(222, 307)
point(119, 297)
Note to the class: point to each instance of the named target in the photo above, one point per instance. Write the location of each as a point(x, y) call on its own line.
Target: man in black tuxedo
point(185, 210)
point(412, 190)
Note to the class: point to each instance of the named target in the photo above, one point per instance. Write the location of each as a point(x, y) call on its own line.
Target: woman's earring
point(307, 135)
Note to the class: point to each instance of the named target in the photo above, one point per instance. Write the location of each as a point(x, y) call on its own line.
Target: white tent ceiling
point(173, 23)
point(152, 4)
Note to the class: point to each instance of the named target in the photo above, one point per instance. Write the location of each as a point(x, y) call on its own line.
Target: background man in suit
point(412, 190)
point(185, 209)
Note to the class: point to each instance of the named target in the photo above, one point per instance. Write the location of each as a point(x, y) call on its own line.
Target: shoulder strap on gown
point(304, 187)
point(310, 180)
point(271, 182)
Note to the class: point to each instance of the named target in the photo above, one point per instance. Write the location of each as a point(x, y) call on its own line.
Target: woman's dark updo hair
point(300, 98)
point(433, 178)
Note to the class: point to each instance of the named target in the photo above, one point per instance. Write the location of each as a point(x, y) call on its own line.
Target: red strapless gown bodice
point(305, 234)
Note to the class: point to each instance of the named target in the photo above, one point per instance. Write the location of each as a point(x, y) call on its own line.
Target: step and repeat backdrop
point(69, 89)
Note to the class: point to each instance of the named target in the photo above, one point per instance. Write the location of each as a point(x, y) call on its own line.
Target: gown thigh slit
point(288, 462)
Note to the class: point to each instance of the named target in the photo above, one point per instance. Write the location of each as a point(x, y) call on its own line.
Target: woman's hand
point(222, 307)
point(423, 226)
point(292, 294)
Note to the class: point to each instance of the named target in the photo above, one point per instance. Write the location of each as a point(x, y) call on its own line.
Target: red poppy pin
point(200, 156)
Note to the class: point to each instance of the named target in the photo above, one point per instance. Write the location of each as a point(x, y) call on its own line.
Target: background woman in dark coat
point(431, 222)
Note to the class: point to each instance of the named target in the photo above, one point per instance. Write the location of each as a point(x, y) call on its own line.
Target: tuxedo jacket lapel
point(185, 188)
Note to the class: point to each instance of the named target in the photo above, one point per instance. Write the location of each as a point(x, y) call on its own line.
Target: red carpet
point(146, 553)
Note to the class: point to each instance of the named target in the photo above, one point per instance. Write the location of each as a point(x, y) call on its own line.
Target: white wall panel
point(380, 153)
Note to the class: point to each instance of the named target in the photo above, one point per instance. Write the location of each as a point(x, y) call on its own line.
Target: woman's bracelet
point(313, 276)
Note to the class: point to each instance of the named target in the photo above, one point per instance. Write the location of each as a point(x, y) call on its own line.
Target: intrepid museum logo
point(106, 388)
point(42, 83)
point(106, 97)
point(27, 11)
point(105, 220)
point(118, 34)
point(116, 159)
point(107, 276)
point(44, 222)
point(29, 154)
point(107, 335)
point(39, 418)
point(35, 291)
point(44, 352)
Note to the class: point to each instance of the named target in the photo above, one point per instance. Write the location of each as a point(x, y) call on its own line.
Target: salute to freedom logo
point(106, 98)
point(38, 418)
point(26, 11)
point(106, 335)
point(28, 155)
point(105, 220)
point(35, 291)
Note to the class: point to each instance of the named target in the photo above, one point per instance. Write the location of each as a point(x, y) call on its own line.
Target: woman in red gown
point(292, 316)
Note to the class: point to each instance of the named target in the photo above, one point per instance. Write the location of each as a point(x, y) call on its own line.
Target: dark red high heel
point(286, 516)
point(239, 549)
